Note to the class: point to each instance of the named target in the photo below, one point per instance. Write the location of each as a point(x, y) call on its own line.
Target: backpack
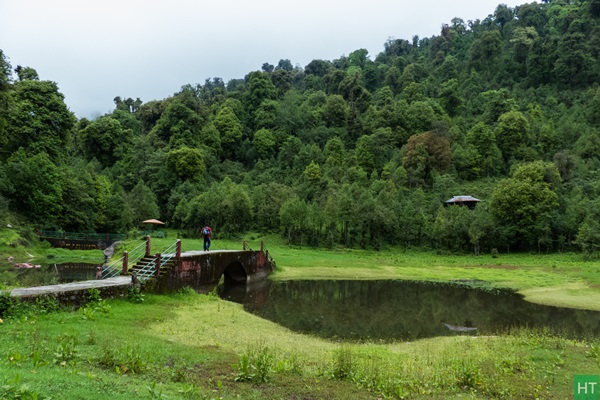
point(206, 231)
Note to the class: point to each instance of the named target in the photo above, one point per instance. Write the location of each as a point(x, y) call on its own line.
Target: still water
point(47, 274)
point(403, 310)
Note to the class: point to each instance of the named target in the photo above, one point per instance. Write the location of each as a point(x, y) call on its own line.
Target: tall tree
point(512, 133)
point(103, 138)
point(142, 201)
point(39, 120)
point(35, 187)
point(230, 130)
point(525, 203)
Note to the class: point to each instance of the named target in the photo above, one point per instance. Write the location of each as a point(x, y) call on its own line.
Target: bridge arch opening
point(235, 274)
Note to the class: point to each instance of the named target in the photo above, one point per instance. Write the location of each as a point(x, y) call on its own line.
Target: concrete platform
point(117, 281)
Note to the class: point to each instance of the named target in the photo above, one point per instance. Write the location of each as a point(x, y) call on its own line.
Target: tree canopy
point(359, 151)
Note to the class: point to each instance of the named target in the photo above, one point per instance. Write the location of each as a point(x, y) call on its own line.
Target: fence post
point(157, 264)
point(244, 244)
point(178, 249)
point(147, 245)
point(262, 246)
point(125, 263)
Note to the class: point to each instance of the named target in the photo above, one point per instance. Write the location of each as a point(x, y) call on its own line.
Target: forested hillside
point(361, 151)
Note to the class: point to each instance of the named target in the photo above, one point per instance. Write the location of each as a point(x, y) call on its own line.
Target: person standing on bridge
point(206, 233)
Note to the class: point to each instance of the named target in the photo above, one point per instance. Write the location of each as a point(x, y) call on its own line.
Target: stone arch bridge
point(203, 270)
point(163, 272)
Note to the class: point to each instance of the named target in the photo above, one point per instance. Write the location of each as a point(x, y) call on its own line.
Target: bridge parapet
point(203, 270)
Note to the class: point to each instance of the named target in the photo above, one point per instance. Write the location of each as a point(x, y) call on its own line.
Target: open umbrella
point(153, 221)
point(151, 231)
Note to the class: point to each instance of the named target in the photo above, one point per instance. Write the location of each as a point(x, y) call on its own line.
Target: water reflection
point(47, 274)
point(406, 310)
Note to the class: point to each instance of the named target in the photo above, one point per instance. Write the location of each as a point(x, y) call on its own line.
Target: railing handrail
point(149, 270)
point(170, 249)
point(137, 253)
point(110, 270)
point(80, 235)
point(269, 257)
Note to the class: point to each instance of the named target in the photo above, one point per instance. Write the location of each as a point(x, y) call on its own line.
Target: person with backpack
point(206, 233)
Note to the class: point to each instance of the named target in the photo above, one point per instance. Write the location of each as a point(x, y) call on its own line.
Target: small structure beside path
point(467, 201)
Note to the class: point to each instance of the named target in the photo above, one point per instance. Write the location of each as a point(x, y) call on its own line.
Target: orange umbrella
point(153, 221)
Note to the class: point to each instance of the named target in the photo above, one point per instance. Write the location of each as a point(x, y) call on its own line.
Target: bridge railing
point(160, 260)
point(271, 260)
point(147, 272)
point(115, 267)
point(263, 249)
point(81, 235)
point(169, 253)
point(246, 246)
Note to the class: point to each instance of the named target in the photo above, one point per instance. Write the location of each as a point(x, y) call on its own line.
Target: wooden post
point(157, 264)
point(262, 246)
point(148, 246)
point(244, 244)
point(125, 263)
point(178, 247)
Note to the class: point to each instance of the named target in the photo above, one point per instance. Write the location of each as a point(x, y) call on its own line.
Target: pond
point(46, 274)
point(403, 310)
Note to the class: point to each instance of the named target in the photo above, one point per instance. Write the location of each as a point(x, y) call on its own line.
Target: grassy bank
point(197, 346)
point(190, 346)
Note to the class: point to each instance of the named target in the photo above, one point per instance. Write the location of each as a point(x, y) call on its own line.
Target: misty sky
point(97, 50)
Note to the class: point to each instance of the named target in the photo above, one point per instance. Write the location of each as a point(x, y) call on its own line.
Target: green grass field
point(191, 346)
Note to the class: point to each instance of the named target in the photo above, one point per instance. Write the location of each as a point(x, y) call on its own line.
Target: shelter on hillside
point(468, 201)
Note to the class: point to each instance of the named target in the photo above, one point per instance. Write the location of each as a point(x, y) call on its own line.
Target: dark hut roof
point(463, 199)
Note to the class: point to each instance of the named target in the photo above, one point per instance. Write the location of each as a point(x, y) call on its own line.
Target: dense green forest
point(361, 151)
